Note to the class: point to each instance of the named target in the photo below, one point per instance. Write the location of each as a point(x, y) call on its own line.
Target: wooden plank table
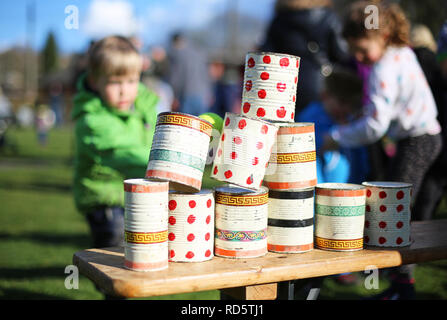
point(254, 278)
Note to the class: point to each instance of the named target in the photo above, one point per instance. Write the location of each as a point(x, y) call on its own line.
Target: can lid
point(386, 184)
point(239, 191)
point(186, 194)
point(273, 54)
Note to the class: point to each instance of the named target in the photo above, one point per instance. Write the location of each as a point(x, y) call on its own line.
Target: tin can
point(291, 221)
point(191, 226)
point(293, 162)
point(145, 225)
point(270, 85)
point(179, 150)
point(243, 151)
point(241, 222)
point(339, 216)
point(388, 214)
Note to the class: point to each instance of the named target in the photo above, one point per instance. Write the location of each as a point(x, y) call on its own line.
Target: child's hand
point(328, 144)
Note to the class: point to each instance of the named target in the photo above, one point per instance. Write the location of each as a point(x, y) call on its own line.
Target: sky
point(76, 22)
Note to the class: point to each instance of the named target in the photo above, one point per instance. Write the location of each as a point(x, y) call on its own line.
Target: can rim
point(235, 190)
point(187, 194)
point(339, 186)
point(273, 53)
point(387, 184)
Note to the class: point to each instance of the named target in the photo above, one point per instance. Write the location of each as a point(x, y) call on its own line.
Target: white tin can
point(292, 164)
point(339, 216)
point(191, 226)
point(290, 223)
point(179, 150)
point(145, 225)
point(388, 214)
point(270, 85)
point(241, 222)
point(244, 150)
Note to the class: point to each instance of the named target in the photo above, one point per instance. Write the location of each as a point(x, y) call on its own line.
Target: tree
point(50, 55)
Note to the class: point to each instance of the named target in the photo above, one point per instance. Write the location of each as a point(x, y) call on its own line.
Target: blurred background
point(42, 53)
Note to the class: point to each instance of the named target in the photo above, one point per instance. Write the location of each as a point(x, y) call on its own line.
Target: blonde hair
point(393, 24)
point(421, 36)
point(113, 56)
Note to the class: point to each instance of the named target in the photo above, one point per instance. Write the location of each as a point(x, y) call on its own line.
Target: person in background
point(311, 30)
point(115, 117)
point(340, 102)
point(435, 181)
point(401, 105)
point(188, 76)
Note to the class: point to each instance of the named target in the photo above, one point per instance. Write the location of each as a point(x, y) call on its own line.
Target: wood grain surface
point(105, 266)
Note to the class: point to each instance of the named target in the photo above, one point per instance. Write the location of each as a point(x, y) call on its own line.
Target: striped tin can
point(145, 225)
point(388, 214)
point(293, 164)
point(339, 216)
point(191, 226)
point(291, 221)
point(270, 84)
point(179, 150)
point(243, 151)
point(241, 222)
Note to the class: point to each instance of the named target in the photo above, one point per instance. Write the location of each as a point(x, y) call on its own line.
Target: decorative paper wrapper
point(243, 151)
point(339, 216)
point(292, 165)
point(290, 223)
point(388, 215)
point(179, 150)
point(270, 84)
point(145, 225)
point(191, 226)
point(241, 222)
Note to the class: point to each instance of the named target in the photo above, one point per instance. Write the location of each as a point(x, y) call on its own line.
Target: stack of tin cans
point(268, 165)
point(264, 146)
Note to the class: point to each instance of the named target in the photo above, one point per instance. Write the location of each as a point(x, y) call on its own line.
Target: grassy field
point(41, 229)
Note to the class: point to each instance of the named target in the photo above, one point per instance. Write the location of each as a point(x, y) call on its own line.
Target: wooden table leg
point(256, 292)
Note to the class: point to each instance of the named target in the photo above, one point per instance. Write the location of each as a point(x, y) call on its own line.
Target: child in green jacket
point(115, 121)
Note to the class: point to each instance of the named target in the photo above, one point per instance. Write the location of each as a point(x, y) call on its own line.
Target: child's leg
point(412, 161)
point(107, 226)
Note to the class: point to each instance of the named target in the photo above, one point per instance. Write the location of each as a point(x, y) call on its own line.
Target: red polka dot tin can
point(270, 84)
point(339, 216)
point(179, 150)
point(387, 214)
point(293, 162)
point(244, 150)
point(145, 225)
point(241, 222)
point(191, 226)
point(291, 221)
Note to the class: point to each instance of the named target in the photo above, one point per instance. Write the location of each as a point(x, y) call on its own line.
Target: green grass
point(41, 229)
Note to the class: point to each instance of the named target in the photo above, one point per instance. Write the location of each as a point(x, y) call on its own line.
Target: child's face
point(119, 92)
point(338, 111)
point(367, 50)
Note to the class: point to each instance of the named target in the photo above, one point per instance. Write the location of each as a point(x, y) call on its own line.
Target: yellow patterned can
point(292, 164)
point(179, 150)
point(145, 224)
point(339, 216)
point(241, 222)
